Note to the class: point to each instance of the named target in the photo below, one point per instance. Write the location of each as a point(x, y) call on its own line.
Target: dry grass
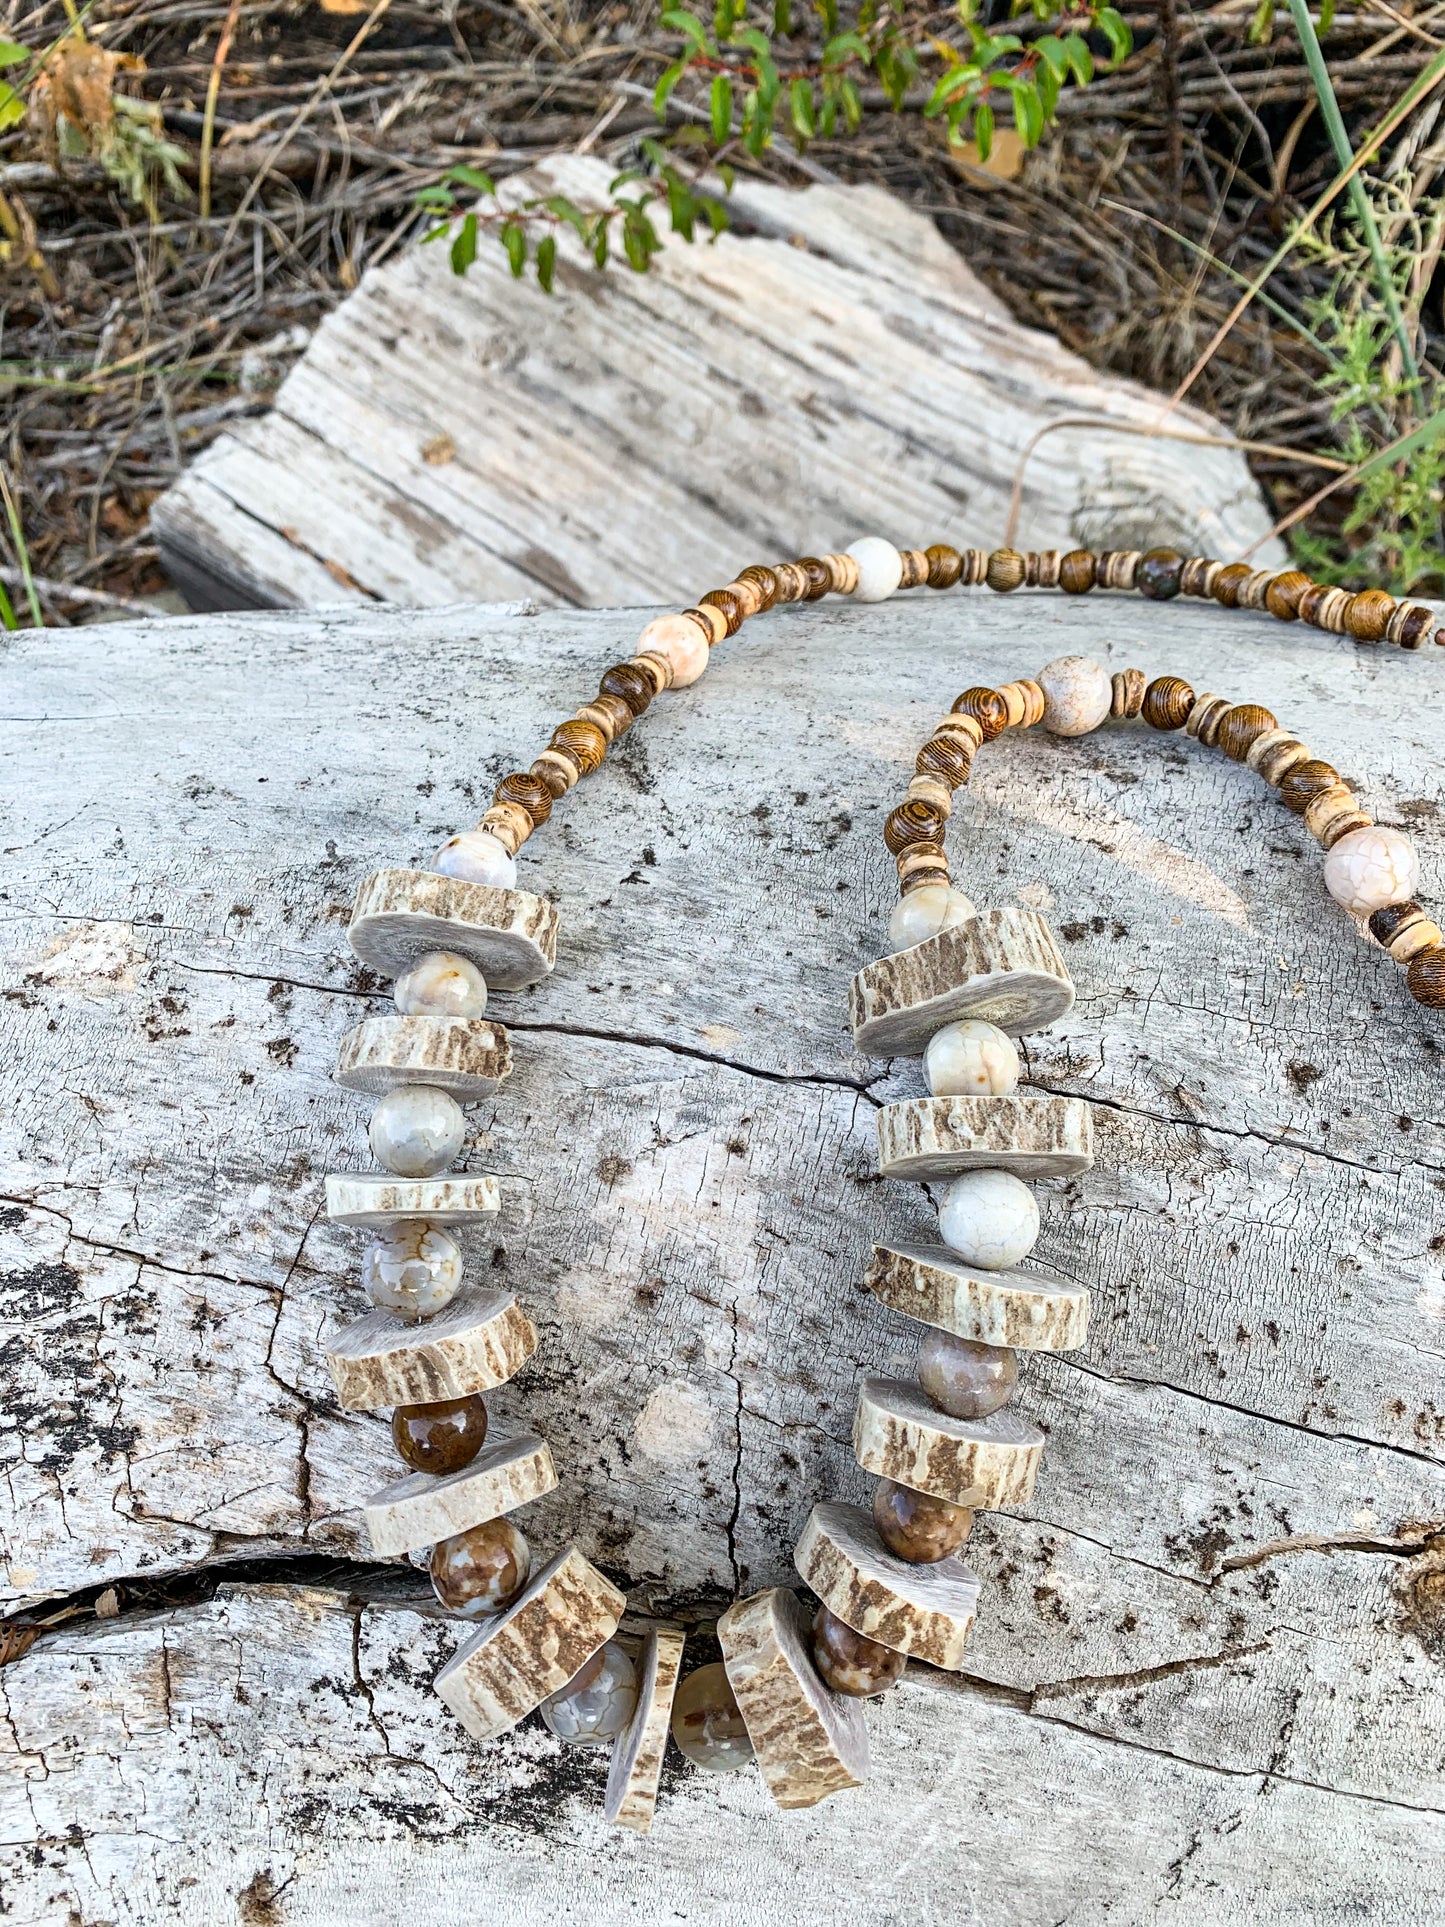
point(134, 335)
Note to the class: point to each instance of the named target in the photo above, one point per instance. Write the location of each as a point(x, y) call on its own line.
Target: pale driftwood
point(1003, 966)
point(1201, 1683)
point(1029, 1309)
point(400, 915)
point(463, 1055)
point(984, 1463)
point(418, 1510)
point(924, 1611)
point(481, 1339)
point(937, 1137)
point(810, 1743)
point(636, 438)
point(375, 1198)
point(545, 1636)
point(636, 1767)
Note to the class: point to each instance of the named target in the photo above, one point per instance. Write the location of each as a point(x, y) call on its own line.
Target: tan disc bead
point(967, 730)
point(919, 861)
point(584, 741)
point(1307, 780)
point(1015, 704)
point(933, 791)
point(1282, 596)
point(844, 570)
point(1276, 750)
point(1425, 978)
point(1034, 701)
point(1167, 702)
point(713, 622)
point(1197, 577)
point(603, 717)
point(1240, 726)
point(975, 568)
point(558, 772)
point(1117, 568)
point(1128, 692)
point(747, 595)
point(915, 568)
point(792, 583)
point(1328, 610)
point(1078, 572)
point(655, 666)
point(1410, 625)
point(1333, 814)
point(1255, 588)
point(1006, 571)
point(509, 823)
point(1405, 930)
point(1203, 720)
point(1044, 568)
point(987, 707)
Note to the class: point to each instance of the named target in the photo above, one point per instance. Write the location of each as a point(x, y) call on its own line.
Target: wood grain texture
point(1027, 1308)
point(763, 399)
point(1204, 1681)
point(924, 1611)
point(984, 1463)
point(810, 1743)
point(921, 1138)
point(637, 1755)
point(420, 1509)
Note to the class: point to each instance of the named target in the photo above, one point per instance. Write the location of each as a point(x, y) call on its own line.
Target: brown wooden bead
point(1282, 596)
point(1334, 814)
point(1128, 686)
point(1300, 786)
point(1078, 572)
point(817, 577)
point(914, 570)
point(1160, 575)
point(728, 606)
point(583, 742)
point(912, 823)
point(945, 566)
point(527, 790)
point(946, 758)
point(917, 879)
point(1117, 568)
point(1044, 568)
point(1228, 583)
point(1167, 703)
point(1239, 726)
point(1425, 978)
point(630, 684)
point(1005, 571)
point(975, 567)
point(843, 569)
point(1409, 625)
point(1405, 929)
point(443, 1437)
point(1369, 614)
point(764, 580)
point(608, 709)
point(1203, 723)
point(1388, 921)
point(916, 1525)
point(850, 1662)
point(987, 707)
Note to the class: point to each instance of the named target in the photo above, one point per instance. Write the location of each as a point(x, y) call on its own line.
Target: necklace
point(958, 984)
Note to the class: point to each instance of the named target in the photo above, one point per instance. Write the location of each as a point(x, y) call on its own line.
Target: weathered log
point(810, 1742)
point(937, 1137)
point(1030, 1309)
point(631, 1798)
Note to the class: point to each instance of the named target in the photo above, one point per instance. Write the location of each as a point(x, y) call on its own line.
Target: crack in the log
point(1405, 1545)
point(1144, 1675)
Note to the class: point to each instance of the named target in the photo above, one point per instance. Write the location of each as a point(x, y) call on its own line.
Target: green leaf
point(656, 153)
point(844, 47)
point(720, 106)
point(728, 175)
point(514, 239)
point(599, 241)
point(12, 107)
point(1052, 50)
point(1047, 82)
point(783, 18)
point(1261, 28)
point(983, 129)
point(713, 212)
point(464, 248)
point(679, 20)
point(1028, 111)
point(662, 92)
point(432, 197)
point(442, 232)
point(852, 106)
point(471, 177)
point(12, 53)
point(827, 11)
point(1327, 16)
point(546, 262)
point(680, 206)
point(1081, 59)
point(962, 80)
point(800, 109)
point(634, 244)
point(1115, 29)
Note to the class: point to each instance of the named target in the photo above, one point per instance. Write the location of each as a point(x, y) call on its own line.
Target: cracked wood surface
point(1210, 1647)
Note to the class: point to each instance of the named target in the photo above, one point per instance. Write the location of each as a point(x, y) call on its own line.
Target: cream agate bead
point(1078, 695)
point(597, 1703)
point(990, 1218)
point(441, 984)
point(706, 1722)
point(416, 1130)
point(971, 1059)
point(680, 643)
point(926, 911)
point(476, 856)
point(880, 568)
point(1369, 868)
point(963, 1378)
point(411, 1268)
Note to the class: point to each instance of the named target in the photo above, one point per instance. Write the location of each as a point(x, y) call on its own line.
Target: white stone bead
point(1369, 868)
point(880, 568)
point(991, 1218)
point(596, 1704)
point(416, 1130)
point(441, 984)
point(476, 856)
point(971, 1059)
point(924, 912)
point(1078, 694)
point(412, 1268)
point(681, 644)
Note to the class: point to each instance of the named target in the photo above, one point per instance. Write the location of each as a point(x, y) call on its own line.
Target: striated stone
point(637, 1757)
point(482, 1339)
point(1002, 965)
point(479, 1572)
point(1031, 1310)
point(542, 1640)
point(595, 1707)
point(937, 1137)
point(849, 1664)
point(923, 1611)
point(916, 1525)
point(400, 915)
point(370, 1200)
point(421, 1509)
point(809, 1742)
point(454, 1054)
point(963, 1378)
point(981, 1463)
